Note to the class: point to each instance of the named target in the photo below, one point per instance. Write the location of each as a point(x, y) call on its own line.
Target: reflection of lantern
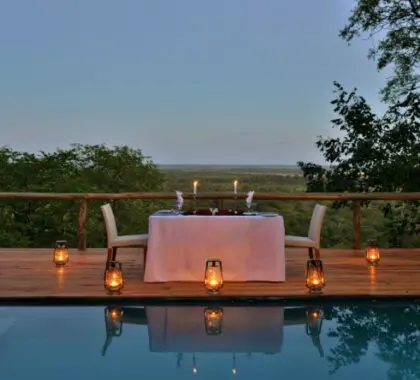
point(61, 253)
point(213, 318)
point(373, 255)
point(194, 369)
point(213, 278)
point(234, 371)
point(113, 321)
point(315, 279)
point(113, 277)
point(314, 318)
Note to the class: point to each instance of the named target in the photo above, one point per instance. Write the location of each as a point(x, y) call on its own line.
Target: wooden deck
point(29, 276)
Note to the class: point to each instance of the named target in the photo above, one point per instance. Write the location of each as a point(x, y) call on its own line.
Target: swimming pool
point(181, 342)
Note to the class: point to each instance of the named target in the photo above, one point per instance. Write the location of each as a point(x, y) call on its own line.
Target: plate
point(268, 214)
point(166, 212)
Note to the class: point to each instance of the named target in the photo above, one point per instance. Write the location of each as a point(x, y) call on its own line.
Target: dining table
point(250, 247)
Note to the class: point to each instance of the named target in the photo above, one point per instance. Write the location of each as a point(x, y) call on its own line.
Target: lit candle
point(195, 185)
point(235, 187)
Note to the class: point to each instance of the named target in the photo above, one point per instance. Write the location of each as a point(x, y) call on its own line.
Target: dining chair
point(116, 241)
point(313, 240)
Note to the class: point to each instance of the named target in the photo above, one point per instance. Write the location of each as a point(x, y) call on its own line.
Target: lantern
point(213, 318)
point(213, 277)
point(315, 279)
point(114, 321)
point(113, 277)
point(373, 255)
point(314, 318)
point(61, 253)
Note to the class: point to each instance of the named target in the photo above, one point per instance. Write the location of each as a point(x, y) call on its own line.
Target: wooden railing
point(83, 198)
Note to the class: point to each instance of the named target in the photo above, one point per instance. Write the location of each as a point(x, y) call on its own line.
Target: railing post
point(220, 204)
point(81, 238)
point(357, 214)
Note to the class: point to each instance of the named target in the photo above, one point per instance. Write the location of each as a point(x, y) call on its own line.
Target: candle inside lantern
point(213, 277)
point(373, 255)
point(315, 279)
point(195, 187)
point(213, 318)
point(235, 187)
point(113, 277)
point(314, 318)
point(113, 321)
point(61, 253)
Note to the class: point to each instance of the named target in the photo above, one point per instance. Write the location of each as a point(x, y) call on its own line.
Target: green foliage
point(392, 330)
point(372, 154)
point(397, 23)
point(100, 169)
point(80, 169)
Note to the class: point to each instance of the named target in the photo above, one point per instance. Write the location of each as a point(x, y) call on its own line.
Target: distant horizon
point(68, 146)
point(233, 165)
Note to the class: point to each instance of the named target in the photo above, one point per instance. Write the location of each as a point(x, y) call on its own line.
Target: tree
point(394, 330)
point(397, 23)
point(373, 154)
point(82, 168)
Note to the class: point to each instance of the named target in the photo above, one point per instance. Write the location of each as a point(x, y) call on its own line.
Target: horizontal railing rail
point(83, 198)
point(220, 195)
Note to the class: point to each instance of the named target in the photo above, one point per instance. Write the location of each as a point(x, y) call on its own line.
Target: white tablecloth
point(244, 329)
point(251, 247)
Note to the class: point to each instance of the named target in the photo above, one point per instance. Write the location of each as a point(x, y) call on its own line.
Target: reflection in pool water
point(341, 342)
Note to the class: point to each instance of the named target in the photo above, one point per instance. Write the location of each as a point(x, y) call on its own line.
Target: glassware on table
point(250, 207)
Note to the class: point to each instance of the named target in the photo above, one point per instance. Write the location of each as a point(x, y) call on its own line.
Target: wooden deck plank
point(29, 274)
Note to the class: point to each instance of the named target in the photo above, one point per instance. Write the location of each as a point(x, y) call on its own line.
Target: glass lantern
point(113, 277)
point(373, 255)
point(213, 277)
point(213, 318)
point(315, 279)
point(314, 319)
point(114, 321)
point(61, 253)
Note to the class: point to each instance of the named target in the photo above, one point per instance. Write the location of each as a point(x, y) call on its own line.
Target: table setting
point(181, 240)
point(213, 211)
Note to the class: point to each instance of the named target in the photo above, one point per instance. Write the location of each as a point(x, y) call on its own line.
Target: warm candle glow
point(195, 186)
point(314, 318)
point(213, 318)
point(114, 321)
point(213, 277)
point(235, 187)
point(113, 278)
point(372, 275)
point(373, 255)
point(315, 280)
point(61, 253)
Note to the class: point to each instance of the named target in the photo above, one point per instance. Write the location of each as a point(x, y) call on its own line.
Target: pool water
point(174, 342)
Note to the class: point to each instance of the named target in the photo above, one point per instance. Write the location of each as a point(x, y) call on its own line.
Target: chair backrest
point(315, 225)
point(110, 225)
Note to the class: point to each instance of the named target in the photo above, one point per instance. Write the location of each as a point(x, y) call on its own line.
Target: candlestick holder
point(235, 197)
point(195, 202)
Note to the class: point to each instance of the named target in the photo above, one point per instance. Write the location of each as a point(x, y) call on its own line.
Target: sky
point(186, 81)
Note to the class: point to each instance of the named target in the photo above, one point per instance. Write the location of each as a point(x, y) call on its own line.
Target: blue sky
point(186, 81)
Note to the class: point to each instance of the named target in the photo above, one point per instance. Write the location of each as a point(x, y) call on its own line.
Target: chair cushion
point(130, 240)
point(299, 241)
